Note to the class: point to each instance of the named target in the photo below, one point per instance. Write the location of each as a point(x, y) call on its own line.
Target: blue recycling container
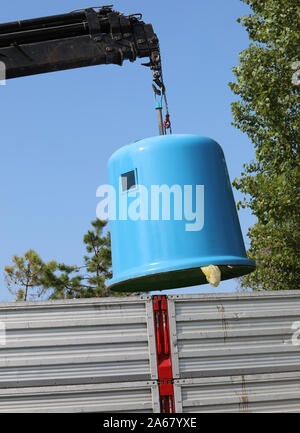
point(172, 211)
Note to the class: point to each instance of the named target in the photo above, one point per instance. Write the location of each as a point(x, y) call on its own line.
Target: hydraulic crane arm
point(85, 37)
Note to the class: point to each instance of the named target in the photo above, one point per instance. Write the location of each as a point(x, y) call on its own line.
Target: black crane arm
point(86, 37)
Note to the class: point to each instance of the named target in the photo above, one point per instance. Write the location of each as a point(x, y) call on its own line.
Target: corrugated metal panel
point(232, 334)
point(230, 352)
point(113, 397)
point(279, 392)
point(77, 342)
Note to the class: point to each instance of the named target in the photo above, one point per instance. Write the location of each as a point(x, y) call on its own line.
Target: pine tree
point(30, 277)
point(24, 277)
point(65, 282)
point(98, 260)
point(86, 281)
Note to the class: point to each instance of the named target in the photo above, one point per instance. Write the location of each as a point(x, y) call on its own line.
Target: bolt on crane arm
point(85, 37)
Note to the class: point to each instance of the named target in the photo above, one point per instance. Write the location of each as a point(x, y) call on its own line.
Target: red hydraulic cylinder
point(163, 351)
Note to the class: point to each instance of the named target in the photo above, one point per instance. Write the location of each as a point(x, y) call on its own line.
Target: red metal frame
point(163, 353)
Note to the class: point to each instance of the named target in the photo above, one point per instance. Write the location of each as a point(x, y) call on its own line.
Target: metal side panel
point(74, 342)
point(277, 392)
point(129, 397)
point(233, 334)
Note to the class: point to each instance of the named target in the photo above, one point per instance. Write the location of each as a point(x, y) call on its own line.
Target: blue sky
point(59, 129)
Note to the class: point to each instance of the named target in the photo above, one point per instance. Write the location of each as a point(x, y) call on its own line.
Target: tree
point(268, 112)
point(30, 276)
point(23, 278)
point(88, 280)
point(98, 262)
point(65, 282)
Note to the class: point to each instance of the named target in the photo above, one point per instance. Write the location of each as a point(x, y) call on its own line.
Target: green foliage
point(24, 277)
point(64, 282)
point(30, 277)
point(98, 262)
point(88, 280)
point(268, 112)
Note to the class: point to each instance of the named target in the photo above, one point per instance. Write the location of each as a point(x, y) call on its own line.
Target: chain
point(159, 89)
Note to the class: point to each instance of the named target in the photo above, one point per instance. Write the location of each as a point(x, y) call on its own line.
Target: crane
point(83, 37)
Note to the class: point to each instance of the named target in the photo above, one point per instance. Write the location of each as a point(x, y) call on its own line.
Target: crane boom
point(85, 37)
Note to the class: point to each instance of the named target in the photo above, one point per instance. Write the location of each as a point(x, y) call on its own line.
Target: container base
point(176, 279)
